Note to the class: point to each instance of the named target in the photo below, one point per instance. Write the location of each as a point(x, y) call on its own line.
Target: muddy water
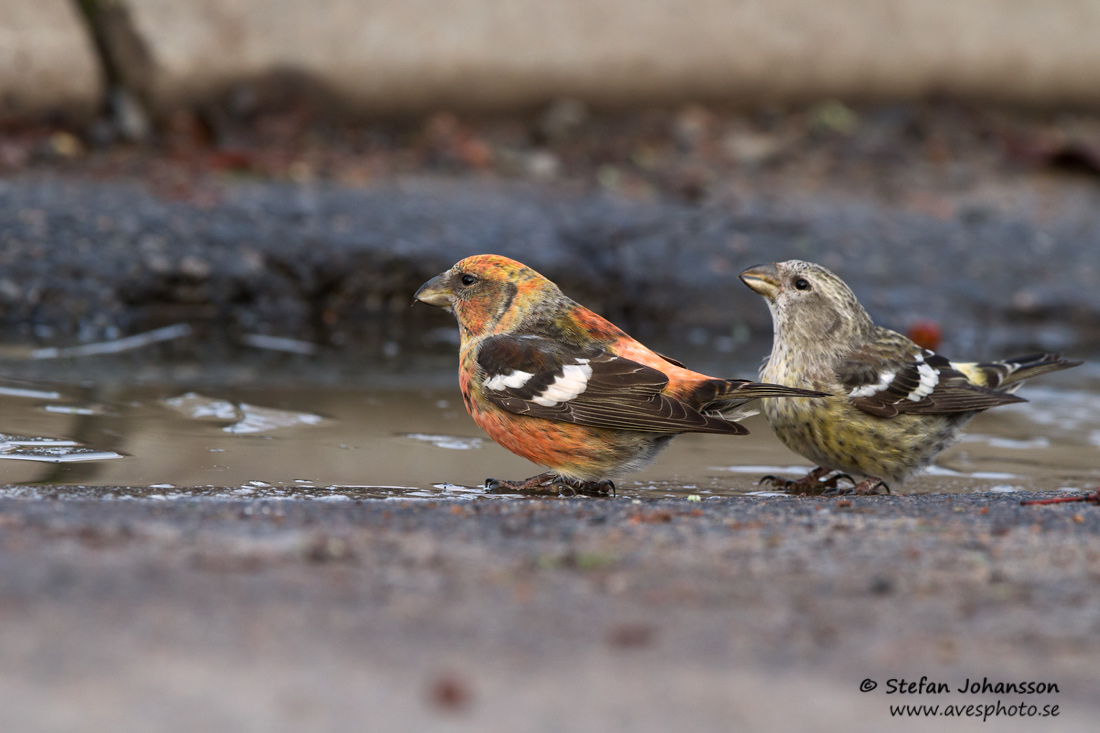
point(338, 444)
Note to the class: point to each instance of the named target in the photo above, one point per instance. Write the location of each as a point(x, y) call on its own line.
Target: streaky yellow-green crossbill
point(892, 406)
point(554, 382)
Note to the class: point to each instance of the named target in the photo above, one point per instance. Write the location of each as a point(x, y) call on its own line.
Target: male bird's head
point(810, 305)
point(488, 293)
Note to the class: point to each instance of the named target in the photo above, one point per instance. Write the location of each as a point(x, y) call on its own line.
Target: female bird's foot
point(551, 483)
point(867, 487)
point(813, 482)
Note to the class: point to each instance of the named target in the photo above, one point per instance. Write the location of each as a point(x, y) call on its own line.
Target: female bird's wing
point(541, 377)
point(884, 379)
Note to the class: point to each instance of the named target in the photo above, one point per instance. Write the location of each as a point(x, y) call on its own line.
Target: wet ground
point(342, 443)
point(239, 490)
point(282, 557)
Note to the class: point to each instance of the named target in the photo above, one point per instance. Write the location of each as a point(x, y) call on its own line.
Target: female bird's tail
point(1009, 374)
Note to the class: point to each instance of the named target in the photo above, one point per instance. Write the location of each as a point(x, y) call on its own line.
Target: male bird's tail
point(743, 389)
point(1008, 375)
point(730, 394)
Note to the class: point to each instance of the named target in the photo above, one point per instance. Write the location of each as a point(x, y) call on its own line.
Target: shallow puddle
point(343, 444)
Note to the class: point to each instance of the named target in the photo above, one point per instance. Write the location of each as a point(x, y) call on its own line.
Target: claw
point(541, 481)
point(814, 482)
point(551, 482)
point(585, 488)
point(870, 486)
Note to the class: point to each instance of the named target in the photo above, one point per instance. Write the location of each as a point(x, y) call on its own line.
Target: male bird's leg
point(813, 482)
point(542, 481)
point(573, 487)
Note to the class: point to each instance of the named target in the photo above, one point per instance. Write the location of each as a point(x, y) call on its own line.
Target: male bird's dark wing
point(541, 377)
point(883, 380)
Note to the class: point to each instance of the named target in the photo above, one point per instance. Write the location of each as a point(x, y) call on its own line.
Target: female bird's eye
point(802, 284)
point(468, 279)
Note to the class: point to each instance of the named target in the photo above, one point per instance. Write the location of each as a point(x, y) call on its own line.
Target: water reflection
point(49, 450)
point(245, 418)
point(338, 444)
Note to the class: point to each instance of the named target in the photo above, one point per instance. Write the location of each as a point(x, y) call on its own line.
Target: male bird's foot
point(543, 483)
point(814, 482)
point(551, 483)
point(570, 487)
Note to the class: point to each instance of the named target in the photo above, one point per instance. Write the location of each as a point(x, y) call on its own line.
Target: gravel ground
point(543, 614)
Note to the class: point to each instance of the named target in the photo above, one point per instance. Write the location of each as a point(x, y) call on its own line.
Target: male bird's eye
point(468, 279)
point(802, 284)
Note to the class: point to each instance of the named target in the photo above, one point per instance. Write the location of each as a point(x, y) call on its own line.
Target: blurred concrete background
point(48, 60)
point(401, 55)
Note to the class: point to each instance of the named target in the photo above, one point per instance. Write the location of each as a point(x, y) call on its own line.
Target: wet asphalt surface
point(560, 614)
point(87, 259)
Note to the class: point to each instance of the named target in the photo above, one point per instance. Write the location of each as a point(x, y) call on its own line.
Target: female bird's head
point(810, 305)
point(488, 293)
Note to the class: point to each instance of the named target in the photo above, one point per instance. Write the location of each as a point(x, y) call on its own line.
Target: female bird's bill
point(762, 279)
point(896, 405)
point(558, 384)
